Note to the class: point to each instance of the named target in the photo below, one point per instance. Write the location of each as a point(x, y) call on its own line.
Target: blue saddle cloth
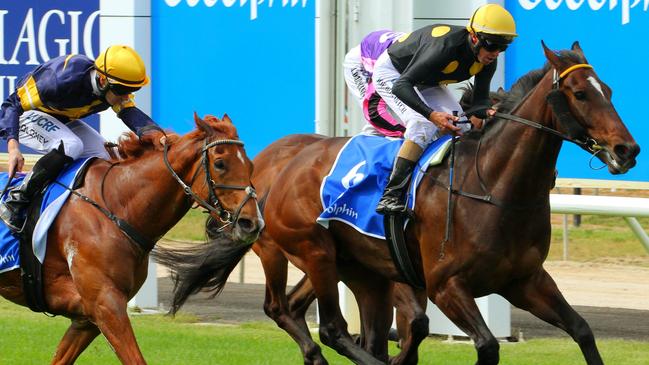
point(53, 199)
point(358, 177)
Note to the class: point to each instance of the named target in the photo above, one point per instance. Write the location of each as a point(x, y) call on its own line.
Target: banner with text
point(35, 31)
point(254, 60)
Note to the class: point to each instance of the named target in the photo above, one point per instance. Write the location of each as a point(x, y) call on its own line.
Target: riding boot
point(47, 168)
point(394, 196)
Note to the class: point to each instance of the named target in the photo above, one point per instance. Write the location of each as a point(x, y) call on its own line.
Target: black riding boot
point(394, 196)
point(47, 168)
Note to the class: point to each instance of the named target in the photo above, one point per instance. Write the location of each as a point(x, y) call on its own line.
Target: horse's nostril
point(621, 151)
point(626, 152)
point(246, 225)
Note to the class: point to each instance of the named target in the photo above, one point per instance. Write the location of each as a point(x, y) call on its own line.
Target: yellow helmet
point(492, 19)
point(122, 65)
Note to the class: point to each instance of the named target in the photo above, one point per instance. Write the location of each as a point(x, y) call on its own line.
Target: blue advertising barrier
point(253, 60)
point(610, 33)
point(35, 31)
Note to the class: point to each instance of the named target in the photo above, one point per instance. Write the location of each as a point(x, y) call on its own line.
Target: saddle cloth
point(53, 199)
point(354, 186)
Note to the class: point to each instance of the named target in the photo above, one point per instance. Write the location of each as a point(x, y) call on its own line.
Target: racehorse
point(288, 311)
point(500, 229)
point(92, 268)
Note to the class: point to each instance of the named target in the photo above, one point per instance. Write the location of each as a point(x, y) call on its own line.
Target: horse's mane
point(506, 101)
point(130, 146)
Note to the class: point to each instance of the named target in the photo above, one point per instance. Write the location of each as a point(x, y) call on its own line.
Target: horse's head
point(582, 108)
point(221, 179)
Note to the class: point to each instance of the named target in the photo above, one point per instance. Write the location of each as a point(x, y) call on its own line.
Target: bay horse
point(92, 268)
point(500, 227)
point(288, 310)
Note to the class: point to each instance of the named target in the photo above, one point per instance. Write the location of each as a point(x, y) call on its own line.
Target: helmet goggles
point(121, 90)
point(493, 42)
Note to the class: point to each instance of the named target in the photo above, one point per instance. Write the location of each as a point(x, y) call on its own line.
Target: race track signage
point(35, 31)
point(254, 60)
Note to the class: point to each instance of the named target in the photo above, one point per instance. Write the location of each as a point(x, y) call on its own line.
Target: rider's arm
point(418, 71)
point(482, 85)
point(9, 117)
point(134, 118)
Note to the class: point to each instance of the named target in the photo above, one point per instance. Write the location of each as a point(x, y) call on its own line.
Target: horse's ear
point(577, 49)
point(551, 56)
point(226, 118)
point(201, 124)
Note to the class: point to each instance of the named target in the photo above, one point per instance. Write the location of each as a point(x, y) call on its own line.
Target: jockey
point(358, 67)
point(44, 114)
point(411, 78)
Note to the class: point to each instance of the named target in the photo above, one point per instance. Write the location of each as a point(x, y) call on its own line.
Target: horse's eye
point(580, 95)
point(219, 164)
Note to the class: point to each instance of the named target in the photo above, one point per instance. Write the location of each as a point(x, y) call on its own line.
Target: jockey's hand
point(16, 161)
point(444, 121)
point(479, 122)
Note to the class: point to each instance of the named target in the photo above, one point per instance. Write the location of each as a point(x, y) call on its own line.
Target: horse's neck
point(152, 201)
point(519, 160)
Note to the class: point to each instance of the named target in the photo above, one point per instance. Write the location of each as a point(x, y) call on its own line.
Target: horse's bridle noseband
point(213, 205)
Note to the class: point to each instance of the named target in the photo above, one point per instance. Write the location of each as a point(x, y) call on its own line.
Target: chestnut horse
point(92, 268)
point(500, 227)
point(288, 311)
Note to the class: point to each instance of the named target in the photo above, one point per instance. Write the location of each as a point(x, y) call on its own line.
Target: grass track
point(30, 338)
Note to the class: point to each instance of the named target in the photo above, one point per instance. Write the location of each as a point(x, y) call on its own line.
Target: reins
point(223, 214)
point(558, 103)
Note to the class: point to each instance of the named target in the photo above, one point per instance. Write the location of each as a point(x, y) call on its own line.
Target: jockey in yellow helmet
point(45, 110)
point(411, 78)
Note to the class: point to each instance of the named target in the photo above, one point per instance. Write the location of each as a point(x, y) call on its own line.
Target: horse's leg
point(275, 304)
point(457, 303)
point(412, 322)
point(373, 294)
point(320, 266)
point(105, 305)
point(78, 336)
point(540, 296)
point(300, 297)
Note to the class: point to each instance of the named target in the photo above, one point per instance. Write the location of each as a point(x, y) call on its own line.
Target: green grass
point(31, 338)
point(190, 228)
point(599, 238)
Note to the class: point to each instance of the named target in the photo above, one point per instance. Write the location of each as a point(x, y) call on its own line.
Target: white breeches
point(418, 128)
point(43, 133)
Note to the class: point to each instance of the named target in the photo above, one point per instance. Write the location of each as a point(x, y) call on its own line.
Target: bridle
point(559, 105)
point(213, 204)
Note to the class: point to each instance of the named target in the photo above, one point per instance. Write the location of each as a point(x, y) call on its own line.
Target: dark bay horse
point(91, 268)
point(496, 245)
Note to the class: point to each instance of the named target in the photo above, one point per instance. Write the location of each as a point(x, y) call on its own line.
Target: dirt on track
point(612, 297)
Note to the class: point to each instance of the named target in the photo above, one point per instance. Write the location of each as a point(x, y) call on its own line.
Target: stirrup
point(10, 219)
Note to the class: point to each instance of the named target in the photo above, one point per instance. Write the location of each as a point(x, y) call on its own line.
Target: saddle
point(356, 182)
point(30, 267)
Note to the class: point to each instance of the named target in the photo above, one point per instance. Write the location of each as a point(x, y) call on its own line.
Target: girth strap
point(144, 243)
point(397, 244)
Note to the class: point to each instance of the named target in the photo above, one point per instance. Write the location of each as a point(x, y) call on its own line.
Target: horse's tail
point(204, 267)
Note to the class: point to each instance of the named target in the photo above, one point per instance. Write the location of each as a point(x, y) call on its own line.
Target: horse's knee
point(488, 351)
point(329, 334)
point(273, 310)
point(420, 327)
point(582, 334)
